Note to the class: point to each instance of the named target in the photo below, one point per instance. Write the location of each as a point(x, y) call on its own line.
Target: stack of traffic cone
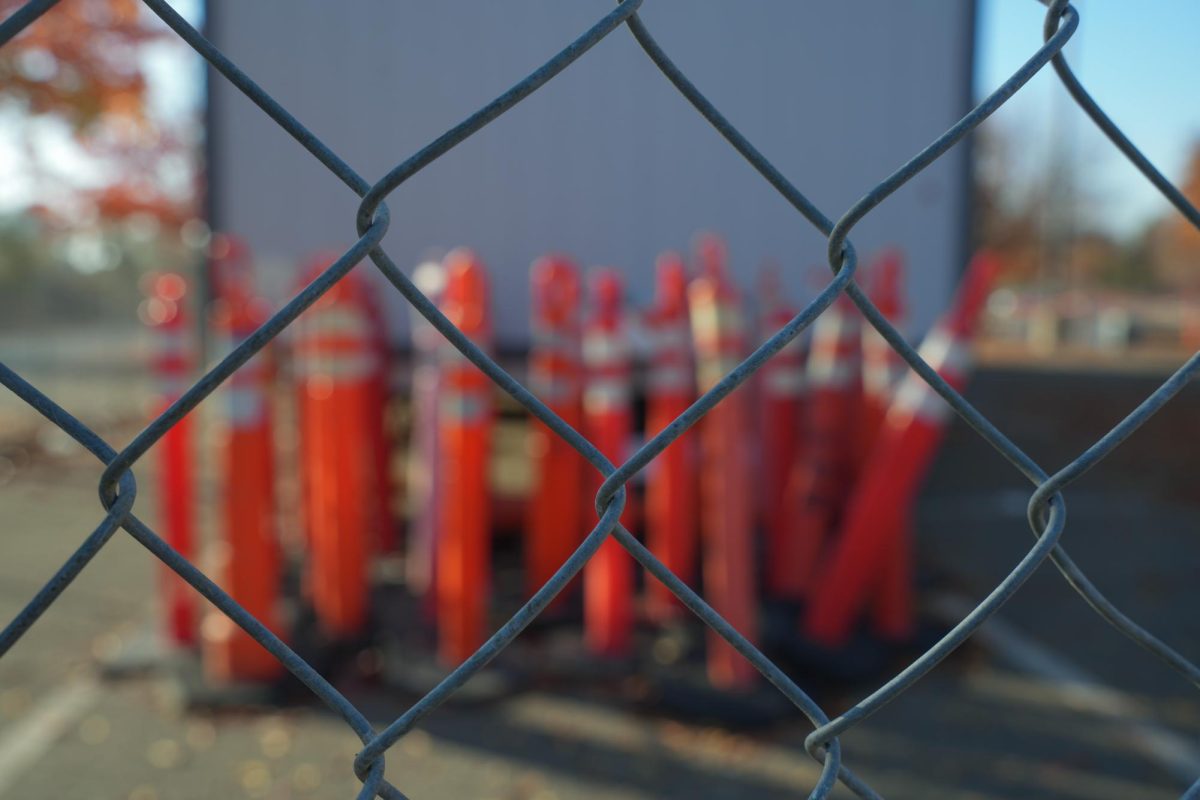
point(671, 480)
point(719, 337)
point(463, 581)
point(782, 402)
point(882, 502)
point(425, 469)
point(165, 312)
point(821, 481)
point(248, 558)
point(340, 404)
point(608, 422)
point(556, 504)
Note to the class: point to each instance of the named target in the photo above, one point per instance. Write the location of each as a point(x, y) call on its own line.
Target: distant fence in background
point(1046, 510)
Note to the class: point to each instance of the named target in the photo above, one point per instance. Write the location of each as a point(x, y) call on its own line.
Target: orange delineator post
point(882, 367)
point(248, 558)
point(782, 391)
point(165, 313)
point(883, 499)
point(336, 365)
point(672, 483)
point(387, 538)
point(424, 470)
point(892, 609)
point(820, 482)
point(464, 433)
point(726, 521)
point(556, 504)
point(608, 583)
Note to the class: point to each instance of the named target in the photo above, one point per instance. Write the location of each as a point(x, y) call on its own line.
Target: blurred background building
point(607, 163)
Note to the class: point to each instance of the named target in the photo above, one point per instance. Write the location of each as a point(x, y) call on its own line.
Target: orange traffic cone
point(165, 312)
point(336, 354)
point(424, 471)
point(883, 499)
point(556, 503)
point(671, 480)
point(608, 420)
point(821, 481)
point(247, 558)
point(782, 393)
point(719, 334)
point(464, 434)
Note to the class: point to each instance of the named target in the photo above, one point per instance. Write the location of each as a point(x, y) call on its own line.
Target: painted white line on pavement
point(24, 743)
point(1178, 756)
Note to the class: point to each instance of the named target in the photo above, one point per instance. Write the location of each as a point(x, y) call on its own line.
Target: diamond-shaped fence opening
point(1046, 503)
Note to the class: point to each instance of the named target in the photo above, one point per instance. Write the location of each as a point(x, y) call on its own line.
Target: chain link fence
point(1046, 507)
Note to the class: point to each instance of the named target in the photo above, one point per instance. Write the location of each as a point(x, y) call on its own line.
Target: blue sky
point(1140, 60)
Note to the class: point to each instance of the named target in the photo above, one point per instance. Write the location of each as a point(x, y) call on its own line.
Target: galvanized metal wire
point(1047, 503)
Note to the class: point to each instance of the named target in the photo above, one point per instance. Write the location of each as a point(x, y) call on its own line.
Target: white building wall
point(607, 162)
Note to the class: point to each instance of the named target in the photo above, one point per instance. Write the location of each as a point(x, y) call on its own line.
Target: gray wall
point(607, 162)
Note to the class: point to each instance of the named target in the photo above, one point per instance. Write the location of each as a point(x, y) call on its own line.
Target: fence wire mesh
point(1046, 508)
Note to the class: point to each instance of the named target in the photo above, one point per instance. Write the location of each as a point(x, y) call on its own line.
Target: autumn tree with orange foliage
point(1175, 242)
point(81, 63)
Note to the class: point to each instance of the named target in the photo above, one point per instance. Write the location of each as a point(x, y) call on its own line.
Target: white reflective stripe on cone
point(246, 405)
point(786, 381)
point(344, 366)
point(337, 320)
point(601, 348)
point(712, 370)
point(669, 378)
point(463, 406)
point(831, 373)
point(834, 324)
point(713, 321)
point(951, 359)
point(554, 341)
point(942, 350)
point(552, 388)
point(880, 379)
point(667, 338)
point(603, 394)
point(916, 398)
